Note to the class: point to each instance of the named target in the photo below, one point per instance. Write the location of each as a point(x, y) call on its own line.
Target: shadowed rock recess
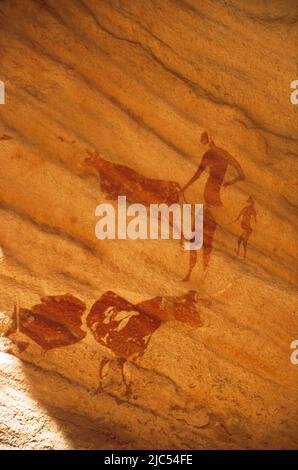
point(140, 344)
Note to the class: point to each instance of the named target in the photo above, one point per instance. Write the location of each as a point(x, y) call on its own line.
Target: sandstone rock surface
point(104, 346)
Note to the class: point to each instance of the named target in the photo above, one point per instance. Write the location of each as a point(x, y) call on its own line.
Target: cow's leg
point(102, 364)
point(128, 389)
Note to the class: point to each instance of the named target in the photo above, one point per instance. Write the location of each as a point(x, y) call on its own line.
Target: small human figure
point(245, 217)
point(216, 160)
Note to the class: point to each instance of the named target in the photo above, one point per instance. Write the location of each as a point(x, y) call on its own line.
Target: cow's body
point(119, 180)
point(121, 326)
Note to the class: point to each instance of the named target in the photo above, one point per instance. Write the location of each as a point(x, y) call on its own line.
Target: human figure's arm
point(233, 162)
point(196, 176)
point(239, 216)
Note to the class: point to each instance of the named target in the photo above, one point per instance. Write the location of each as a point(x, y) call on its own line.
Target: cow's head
point(186, 309)
point(92, 158)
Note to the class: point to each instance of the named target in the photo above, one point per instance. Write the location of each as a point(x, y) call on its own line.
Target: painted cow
point(119, 180)
point(126, 329)
point(54, 323)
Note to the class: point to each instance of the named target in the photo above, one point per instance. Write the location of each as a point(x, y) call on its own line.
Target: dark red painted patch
point(53, 323)
point(119, 180)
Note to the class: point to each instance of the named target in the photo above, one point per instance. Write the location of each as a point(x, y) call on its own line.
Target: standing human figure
point(216, 160)
point(245, 216)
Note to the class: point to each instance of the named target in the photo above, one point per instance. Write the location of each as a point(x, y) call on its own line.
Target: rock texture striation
point(104, 346)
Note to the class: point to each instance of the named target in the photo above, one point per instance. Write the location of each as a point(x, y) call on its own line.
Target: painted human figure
point(245, 216)
point(216, 161)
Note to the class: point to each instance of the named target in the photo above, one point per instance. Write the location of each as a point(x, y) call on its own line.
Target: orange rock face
point(139, 343)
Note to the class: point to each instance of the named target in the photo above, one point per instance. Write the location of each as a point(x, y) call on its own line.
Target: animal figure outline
point(123, 328)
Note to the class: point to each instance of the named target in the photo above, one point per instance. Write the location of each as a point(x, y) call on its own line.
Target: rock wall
point(141, 344)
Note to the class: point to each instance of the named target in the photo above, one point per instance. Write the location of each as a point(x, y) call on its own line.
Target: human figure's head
point(193, 296)
point(205, 138)
point(250, 200)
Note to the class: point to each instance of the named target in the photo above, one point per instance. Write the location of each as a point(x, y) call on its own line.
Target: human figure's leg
point(208, 233)
point(246, 236)
point(240, 242)
point(244, 249)
point(192, 262)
